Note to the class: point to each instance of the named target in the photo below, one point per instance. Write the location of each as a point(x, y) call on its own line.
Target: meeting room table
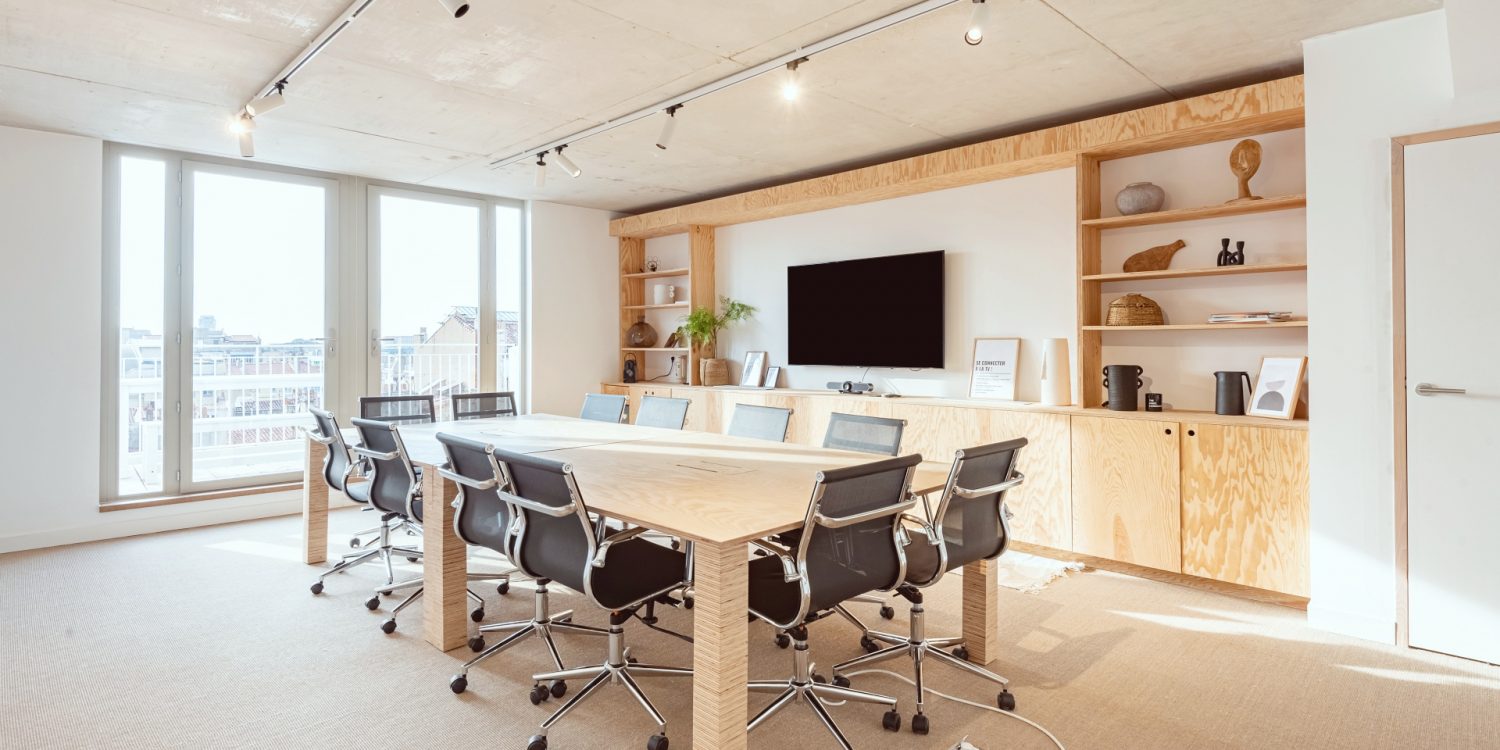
point(716, 491)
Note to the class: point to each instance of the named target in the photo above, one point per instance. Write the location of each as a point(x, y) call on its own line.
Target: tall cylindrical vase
point(1057, 378)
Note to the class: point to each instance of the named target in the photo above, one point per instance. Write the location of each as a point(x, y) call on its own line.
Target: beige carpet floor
point(208, 638)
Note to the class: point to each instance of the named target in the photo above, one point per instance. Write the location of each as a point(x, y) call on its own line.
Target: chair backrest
point(851, 543)
point(660, 411)
point(557, 539)
point(482, 518)
point(393, 480)
point(337, 463)
point(857, 432)
point(484, 405)
point(603, 407)
point(971, 514)
point(763, 422)
point(397, 409)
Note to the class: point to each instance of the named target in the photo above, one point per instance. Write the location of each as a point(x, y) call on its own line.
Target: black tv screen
point(871, 312)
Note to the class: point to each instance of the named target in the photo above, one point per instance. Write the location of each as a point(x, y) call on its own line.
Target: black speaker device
point(849, 386)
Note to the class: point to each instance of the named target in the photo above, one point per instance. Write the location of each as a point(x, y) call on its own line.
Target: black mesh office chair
point(970, 523)
point(484, 405)
point(659, 411)
point(603, 407)
point(851, 544)
point(558, 539)
point(398, 409)
point(857, 432)
point(760, 422)
point(483, 518)
point(339, 467)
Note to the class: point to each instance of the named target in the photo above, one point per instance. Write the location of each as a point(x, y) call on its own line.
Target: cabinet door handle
point(1169, 430)
point(1428, 389)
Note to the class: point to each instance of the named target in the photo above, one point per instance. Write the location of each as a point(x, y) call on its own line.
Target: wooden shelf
point(653, 349)
point(1283, 203)
point(668, 306)
point(1202, 326)
point(662, 274)
point(1187, 273)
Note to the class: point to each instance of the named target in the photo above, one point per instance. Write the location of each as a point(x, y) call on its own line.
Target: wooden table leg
point(721, 647)
point(314, 504)
point(445, 565)
point(981, 611)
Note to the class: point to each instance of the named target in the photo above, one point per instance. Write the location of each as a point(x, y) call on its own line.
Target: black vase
point(1124, 384)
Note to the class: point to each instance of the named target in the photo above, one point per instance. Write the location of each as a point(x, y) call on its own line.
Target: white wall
point(574, 297)
point(1364, 87)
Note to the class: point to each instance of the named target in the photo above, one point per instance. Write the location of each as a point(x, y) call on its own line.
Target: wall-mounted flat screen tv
point(870, 312)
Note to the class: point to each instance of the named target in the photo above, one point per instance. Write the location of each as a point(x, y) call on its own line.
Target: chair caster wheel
point(559, 689)
point(961, 652)
point(919, 724)
point(317, 588)
point(476, 644)
point(840, 681)
point(503, 588)
point(387, 593)
point(687, 602)
point(372, 603)
point(388, 627)
point(868, 644)
point(458, 684)
point(477, 615)
point(354, 543)
point(657, 742)
point(539, 694)
point(632, 660)
point(783, 640)
point(1006, 700)
point(887, 612)
point(412, 559)
point(537, 742)
point(891, 721)
point(820, 679)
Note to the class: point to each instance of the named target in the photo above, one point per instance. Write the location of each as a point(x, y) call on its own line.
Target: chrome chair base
point(805, 687)
point(477, 614)
point(618, 669)
point(541, 624)
point(384, 552)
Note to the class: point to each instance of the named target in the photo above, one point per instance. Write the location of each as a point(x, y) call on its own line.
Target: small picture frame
point(772, 375)
point(754, 373)
point(1278, 387)
point(994, 371)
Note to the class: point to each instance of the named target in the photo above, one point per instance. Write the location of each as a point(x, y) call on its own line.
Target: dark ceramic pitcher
point(1229, 397)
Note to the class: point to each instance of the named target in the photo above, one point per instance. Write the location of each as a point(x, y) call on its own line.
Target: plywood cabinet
point(1126, 502)
point(1245, 506)
point(698, 409)
point(638, 392)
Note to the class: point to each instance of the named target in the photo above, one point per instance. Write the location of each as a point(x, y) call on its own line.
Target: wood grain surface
point(1125, 491)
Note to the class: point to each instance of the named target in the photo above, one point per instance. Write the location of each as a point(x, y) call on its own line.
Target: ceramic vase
point(1140, 198)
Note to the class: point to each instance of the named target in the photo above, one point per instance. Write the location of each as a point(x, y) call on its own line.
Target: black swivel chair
point(603, 407)
point(659, 411)
point(558, 539)
point(760, 422)
point(970, 523)
point(398, 409)
point(880, 436)
point(851, 544)
point(485, 519)
point(339, 466)
point(484, 405)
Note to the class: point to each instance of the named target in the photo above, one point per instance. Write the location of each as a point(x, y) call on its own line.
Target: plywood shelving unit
point(699, 276)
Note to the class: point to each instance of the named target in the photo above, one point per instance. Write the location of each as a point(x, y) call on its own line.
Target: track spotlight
point(668, 127)
point(242, 123)
point(266, 103)
point(456, 7)
point(791, 87)
point(977, 20)
point(247, 144)
point(541, 169)
point(566, 163)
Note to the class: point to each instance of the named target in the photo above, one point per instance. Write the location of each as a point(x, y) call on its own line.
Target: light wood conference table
point(716, 490)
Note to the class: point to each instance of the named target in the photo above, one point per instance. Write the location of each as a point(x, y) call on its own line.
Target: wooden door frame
point(1398, 350)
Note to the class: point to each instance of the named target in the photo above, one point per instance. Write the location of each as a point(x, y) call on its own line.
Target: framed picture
point(994, 374)
point(772, 375)
point(754, 373)
point(1278, 387)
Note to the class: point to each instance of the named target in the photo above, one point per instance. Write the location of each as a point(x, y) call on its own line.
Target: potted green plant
point(700, 329)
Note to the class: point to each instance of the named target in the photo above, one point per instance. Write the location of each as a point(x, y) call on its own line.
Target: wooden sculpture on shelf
point(1155, 259)
point(1244, 162)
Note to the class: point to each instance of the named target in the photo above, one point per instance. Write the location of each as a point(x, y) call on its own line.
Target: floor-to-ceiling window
point(140, 411)
point(510, 295)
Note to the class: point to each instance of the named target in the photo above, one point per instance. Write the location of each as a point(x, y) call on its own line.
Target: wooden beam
point(1263, 107)
point(701, 263)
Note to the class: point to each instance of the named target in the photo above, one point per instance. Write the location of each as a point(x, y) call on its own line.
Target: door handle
point(1428, 389)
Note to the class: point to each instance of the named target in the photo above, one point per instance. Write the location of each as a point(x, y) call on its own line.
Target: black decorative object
point(1236, 258)
point(629, 371)
point(1229, 398)
point(1153, 402)
point(1124, 384)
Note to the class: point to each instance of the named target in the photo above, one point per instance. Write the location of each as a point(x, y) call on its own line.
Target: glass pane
point(257, 355)
point(429, 299)
point(510, 284)
point(143, 206)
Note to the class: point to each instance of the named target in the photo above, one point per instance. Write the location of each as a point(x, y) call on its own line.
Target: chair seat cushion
point(636, 569)
point(770, 595)
point(359, 492)
point(922, 560)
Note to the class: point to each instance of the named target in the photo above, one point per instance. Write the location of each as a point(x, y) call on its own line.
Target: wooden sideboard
point(1219, 498)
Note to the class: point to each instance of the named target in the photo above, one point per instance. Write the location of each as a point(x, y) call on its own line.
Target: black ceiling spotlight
point(541, 169)
point(977, 19)
point(566, 163)
point(457, 8)
point(668, 127)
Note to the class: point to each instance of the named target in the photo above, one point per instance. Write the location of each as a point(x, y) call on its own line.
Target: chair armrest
point(561, 511)
point(318, 437)
point(613, 539)
point(789, 571)
point(457, 478)
point(1014, 481)
point(839, 522)
point(364, 452)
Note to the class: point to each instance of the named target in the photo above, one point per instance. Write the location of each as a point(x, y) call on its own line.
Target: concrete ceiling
point(409, 94)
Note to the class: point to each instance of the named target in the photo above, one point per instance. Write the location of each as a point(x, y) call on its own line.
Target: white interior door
point(1453, 395)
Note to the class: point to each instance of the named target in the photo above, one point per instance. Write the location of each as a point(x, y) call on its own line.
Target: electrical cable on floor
point(956, 699)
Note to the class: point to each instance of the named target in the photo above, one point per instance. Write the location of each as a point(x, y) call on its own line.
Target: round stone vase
point(1140, 198)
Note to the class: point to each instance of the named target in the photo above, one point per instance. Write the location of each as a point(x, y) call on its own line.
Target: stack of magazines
point(1250, 317)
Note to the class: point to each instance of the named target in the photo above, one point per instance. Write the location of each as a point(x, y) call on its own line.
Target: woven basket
point(1134, 310)
point(714, 371)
